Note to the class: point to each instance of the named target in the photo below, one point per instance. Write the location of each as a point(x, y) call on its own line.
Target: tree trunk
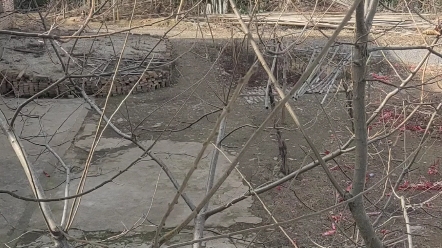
point(225, 6)
point(179, 9)
point(200, 219)
point(360, 56)
point(370, 11)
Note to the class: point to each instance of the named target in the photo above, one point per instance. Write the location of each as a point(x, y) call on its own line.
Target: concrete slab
point(60, 119)
point(144, 191)
point(415, 56)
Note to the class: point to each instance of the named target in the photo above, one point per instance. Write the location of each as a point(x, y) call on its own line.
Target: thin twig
point(241, 84)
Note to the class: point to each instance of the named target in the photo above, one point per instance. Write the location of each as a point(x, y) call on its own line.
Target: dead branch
point(201, 218)
point(269, 117)
point(32, 178)
point(226, 110)
point(172, 179)
point(314, 66)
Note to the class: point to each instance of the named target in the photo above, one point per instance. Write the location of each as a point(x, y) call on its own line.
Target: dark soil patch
point(237, 59)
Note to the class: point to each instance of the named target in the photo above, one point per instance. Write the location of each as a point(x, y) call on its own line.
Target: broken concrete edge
point(133, 239)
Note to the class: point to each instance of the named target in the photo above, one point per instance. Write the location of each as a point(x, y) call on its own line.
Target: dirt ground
point(308, 192)
point(201, 83)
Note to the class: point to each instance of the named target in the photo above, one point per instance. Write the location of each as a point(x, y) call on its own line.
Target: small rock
point(414, 229)
point(157, 125)
point(275, 158)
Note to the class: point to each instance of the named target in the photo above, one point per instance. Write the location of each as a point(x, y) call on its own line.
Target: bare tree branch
point(226, 110)
point(356, 206)
point(280, 104)
point(32, 178)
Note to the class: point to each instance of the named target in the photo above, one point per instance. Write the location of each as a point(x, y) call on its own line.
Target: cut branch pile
point(143, 9)
point(332, 20)
point(326, 75)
